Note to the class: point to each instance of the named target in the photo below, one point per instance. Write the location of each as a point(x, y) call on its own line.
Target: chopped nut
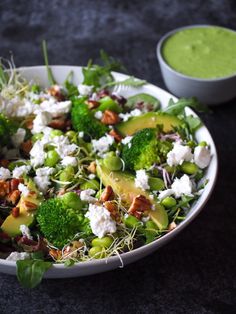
point(92, 167)
point(139, 205)
point(107, 194)
point(14, 184)
point(116, 135)
point(15, 212)
point(172, 226)
point(92, 104)
point(4, 163)
point(13, 196)
point(26, 147)
point(4, 188)
point(112, 207)
point(110, 117)
point(30, 206)
point(56, 92)
point(55, 254)
point(59, 124)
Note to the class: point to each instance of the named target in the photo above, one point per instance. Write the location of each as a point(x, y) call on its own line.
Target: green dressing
point(202, 52)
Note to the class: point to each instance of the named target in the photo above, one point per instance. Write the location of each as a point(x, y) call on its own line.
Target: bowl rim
point(192, 78)
point(147, 247)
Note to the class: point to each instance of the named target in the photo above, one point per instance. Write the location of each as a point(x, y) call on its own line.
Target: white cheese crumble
point(202, 156)
point(25, 232)
point(84, 90)
point(101, 146)
point(4, 173)
point(42, 178)
point(98, 115)
point(179, 154)
point(19, 171)
point(41, 121)
point(37, 154)
point(165, 193)
point(91, 176)
point(16, 256)
point(126, 140)
point(18, 137)
point(69, 161)
point(128, 115)
point(23, 189)
point(182, 186)
point(86, 196)
point(81, 134)
point(63, 146)
point(141, 180)
point(56, 108)
point(100, 220)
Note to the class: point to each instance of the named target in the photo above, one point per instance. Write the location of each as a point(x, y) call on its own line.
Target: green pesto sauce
point(202, 52)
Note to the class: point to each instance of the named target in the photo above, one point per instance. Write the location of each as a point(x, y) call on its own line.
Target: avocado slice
point(148, 120)
point(123, 184)
point(143, 98)
point(11, 225)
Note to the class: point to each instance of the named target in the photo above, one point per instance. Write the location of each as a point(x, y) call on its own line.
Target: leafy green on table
point(30, 271)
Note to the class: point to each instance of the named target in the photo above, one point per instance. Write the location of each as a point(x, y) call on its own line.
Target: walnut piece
point(116, 135)
point(107, 194)
point(110, 117)
point(139, 205)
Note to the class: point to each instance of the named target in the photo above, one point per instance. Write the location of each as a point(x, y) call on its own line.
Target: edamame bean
point(132, 222)
point(113, 163)
point(36, 137)
point(107, 103)
point(203, 144)
point(72, 136)
point(168, 201)
point(91, 184)
point(72, 200)
point(151, 225)
point(156, 184)
point(189, 167)
point(170, 169)
point(104, 242)
point(67, 174)
point(52, 158)
point(55, 133)
point(191, 144)
point(97, 252)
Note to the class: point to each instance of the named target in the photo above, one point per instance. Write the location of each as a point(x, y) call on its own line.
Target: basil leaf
point(177, 108)
point(30, 272)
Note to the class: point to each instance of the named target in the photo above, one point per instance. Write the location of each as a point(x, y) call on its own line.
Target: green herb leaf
point(69, 262)
point(49, 71)
point(30, 272)
point(177, 108)
point(130, 81)
point(193, 122)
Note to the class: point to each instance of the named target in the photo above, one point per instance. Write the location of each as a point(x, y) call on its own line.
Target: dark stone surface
point(196, 272)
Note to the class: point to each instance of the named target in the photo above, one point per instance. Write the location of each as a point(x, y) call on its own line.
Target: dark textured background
point(196, 272)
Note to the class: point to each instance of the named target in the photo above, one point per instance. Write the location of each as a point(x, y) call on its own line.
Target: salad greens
point(86, 173)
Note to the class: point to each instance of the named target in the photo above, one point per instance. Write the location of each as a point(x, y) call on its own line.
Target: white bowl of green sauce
point(199, 60)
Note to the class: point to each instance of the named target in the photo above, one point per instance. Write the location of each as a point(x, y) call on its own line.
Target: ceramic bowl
point(208, 91)
point(39, 74)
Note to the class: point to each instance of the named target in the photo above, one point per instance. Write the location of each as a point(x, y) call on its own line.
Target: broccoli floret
point(58, 223)
point(7, 128)
point(145, 149)
point(83, 119)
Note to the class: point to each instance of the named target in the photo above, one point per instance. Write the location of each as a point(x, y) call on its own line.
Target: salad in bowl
point(87, 173)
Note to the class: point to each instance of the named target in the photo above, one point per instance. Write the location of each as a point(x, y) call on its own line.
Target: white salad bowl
point(39, 75)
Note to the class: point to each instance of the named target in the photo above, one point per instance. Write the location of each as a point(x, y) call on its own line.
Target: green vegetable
point(59, 223)
point(156, 184)
point(67, 174)
point(141, 152)
point(132, 222)
point(177, 108)
point(103, 242)
point(72, 200)
point(30, 272)
point(7, 128)
point(147, 101)
point(107, 103)
point(51, 79)
point(113, 163)
point(189, 167)
point(83, 120)
point(168, 201)
point(91, 184)
point(97, 252)
point(52, 158)
point(55, 133)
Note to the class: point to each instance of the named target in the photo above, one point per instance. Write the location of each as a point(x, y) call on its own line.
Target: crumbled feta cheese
point(56, 108)
point(100, 220)
point(69, 160)
point(23, 189)
point(63, 146)
point(42, 178)
point(101, 146)
point(179, 154)
point(81, 134)
point(18, 137)
point(4, 173)
point(86, 196)
point(84, 90)
point(91, 176)
point(165, 193)
point(141, 180)
point(98, 115)
point(182, 186)
point(41, 121)
point(16, 256)
point(19, 171)
point(126, 140)
point(25, 232)
point(16, 107)
point(133, 113)
point(37, 154)
point(202, 156)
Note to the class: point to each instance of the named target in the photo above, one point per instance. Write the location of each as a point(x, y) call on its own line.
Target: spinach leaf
point(177, 108)
point(30, 272)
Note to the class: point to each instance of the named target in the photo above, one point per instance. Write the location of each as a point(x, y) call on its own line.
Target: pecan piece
point(4, 163)
point(92, 104)
point(26, 147)
point(13, 196)
point(15, 212)
point(30, 206)
point(59, 124)
point(107, 194)
point(116, 135)
point(92, 167)
point(55, 254)
point(56, 92)
point(139, 205)
point(4, 188)
point(14, 184)
point(112, 207)
point(110, 117)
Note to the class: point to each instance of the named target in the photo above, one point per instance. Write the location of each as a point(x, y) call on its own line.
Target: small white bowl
point(208, 91)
